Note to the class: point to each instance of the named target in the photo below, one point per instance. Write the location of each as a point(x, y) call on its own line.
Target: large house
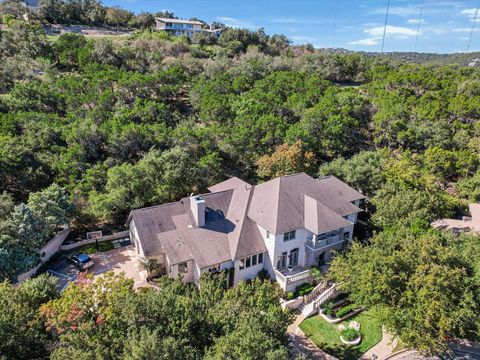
point(283, 226)
point(179, 27)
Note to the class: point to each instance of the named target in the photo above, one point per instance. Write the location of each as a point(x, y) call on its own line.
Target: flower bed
point(339, 311)
point(300, 290)
point(304, 289)
point(350, 337)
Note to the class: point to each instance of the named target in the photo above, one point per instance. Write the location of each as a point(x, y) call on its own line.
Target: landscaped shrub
point(328, 308)
point(345, 310)
point(350, 334)
point(92, 248)
point(304, 289)
point(289, 295)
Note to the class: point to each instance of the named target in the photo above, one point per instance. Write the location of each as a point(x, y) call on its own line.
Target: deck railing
point(286, 280)
point(328, 294)
point(316, 291)
point(320, 243)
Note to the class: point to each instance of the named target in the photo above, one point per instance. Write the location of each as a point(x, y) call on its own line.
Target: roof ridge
point(278, 205)
point(322, 203)
point(245, 216)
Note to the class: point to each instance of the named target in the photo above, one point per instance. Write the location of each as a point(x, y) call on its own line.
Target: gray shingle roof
point(233, 210)
point(278, 205)
point(320, 219)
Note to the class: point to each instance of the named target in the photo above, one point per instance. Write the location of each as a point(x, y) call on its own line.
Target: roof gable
point(279, 205)
point(320, 219)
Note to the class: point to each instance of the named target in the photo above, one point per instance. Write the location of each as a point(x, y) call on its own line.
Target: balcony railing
point(321, 243)
point(297, 277)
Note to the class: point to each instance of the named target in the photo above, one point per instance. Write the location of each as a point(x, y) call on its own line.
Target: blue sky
point(444, 28)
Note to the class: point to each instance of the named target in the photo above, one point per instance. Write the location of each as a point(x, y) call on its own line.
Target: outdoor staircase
point(310, 307)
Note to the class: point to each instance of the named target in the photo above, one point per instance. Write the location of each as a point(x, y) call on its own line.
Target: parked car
point(81, 261)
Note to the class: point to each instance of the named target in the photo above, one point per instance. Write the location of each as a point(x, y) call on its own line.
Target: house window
point(268, 234)
point(182, 268)
point(346, 235)
point(260, 258)
point(282, 261)
point(251, 261)
point(293, 258)
point(289, 236)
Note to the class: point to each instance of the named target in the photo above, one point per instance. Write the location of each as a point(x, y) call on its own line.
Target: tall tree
point(419, 282)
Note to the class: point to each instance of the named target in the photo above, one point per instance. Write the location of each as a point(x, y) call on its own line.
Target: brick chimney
point(197, 205)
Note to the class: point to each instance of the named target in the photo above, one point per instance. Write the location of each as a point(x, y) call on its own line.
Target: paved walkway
point(384, 348)
point(301, 344)
point(123, 259)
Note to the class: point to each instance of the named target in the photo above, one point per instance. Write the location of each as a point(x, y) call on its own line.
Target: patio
point(290, 279)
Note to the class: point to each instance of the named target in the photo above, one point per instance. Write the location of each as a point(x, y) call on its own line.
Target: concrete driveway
point(120, 260)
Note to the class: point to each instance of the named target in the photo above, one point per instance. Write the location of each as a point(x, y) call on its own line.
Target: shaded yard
point(327, 337)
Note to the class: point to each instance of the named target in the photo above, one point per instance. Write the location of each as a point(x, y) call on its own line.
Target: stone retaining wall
point(114, 236)
point(46, 253)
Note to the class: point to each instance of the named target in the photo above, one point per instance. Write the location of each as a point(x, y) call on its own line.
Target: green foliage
point(407, 207)
point(25, 228)
point(52, 208)
point(344, 310)
point(469, 188)
point(177, 322)
point(363, 171)
point(349, 334)
point(102, 247)
point(423, 287)
point(304, 289)
point(326, 335)
point(22, 332)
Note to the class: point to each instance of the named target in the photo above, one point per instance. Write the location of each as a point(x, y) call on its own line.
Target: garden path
point(300, 344)
point(383, 348)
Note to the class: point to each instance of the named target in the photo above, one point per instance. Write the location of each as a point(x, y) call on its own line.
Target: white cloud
point(415, 21)
point(236, 23)
point(376, 34)
point(367, 41)
point(468, 12)
point(398, 10)
point(391, 30)
point(465, 30)
point(471, 14)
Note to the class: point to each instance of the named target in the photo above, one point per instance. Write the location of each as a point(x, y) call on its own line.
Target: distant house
point(466, 224)
point(178, 27)
point(474, 62)
point(283, 226)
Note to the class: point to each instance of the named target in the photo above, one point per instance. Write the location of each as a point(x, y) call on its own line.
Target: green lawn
point(327, 337)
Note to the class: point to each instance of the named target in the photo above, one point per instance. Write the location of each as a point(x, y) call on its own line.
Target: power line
point(469, 43)
point(335, 24)
point(418, 29)
point(385, 26)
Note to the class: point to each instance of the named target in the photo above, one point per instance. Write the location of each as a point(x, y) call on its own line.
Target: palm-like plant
point(152, 266)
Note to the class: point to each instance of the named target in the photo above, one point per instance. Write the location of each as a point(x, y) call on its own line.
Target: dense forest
point(93, 128)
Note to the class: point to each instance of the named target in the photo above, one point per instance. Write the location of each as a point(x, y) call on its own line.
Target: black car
point(81, 261)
